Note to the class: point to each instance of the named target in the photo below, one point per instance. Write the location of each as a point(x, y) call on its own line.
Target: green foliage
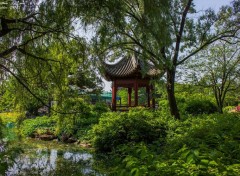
point(163, 106)
point(6, 99)
point(84, 78)
point(78, 116)
point(31, 127)
point(100, 108)
point(1, 129)
point(203, 145)
point(123, 93)
point(6, 154)
point(192, 99)
point(196, 107)
point(139, 160)
point(69, 123)
point(34, 66)
point(214, 130)
point(217, 67)
point(75, 122)
point(10, 117)
point(228, 108)
point(142, 96)
point(3, 163)
point(206, 144)
point(149, 28)
point(134, 126)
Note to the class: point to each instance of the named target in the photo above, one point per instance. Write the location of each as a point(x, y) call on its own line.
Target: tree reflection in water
point(52, 162)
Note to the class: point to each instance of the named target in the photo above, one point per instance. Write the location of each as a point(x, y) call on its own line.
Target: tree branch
point(8, 51)
point(210, 41)
point(179, 34)
point(36, 57)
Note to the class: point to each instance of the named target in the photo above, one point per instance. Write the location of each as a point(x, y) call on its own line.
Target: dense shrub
point(79, 117)
point(204, 145)
point(213, 131)
point(6, 100)
point(196, 107)
point(76, 118)
point(78, 114)
point(100, 108)
point(138, 160)
point(229, 108)
point(10, 117)
point(1, 129)
point(136, 125)
point(30, 127)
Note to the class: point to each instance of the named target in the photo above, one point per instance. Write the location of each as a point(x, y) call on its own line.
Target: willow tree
point(39, 47)
point(165, 33)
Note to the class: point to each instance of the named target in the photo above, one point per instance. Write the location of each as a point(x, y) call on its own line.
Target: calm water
point(51, 158)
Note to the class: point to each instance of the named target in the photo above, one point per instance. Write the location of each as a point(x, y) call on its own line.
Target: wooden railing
point(124, 107)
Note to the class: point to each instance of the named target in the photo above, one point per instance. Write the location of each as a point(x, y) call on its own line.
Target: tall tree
point(218, 67)
point(39, 45)
point(165, 33)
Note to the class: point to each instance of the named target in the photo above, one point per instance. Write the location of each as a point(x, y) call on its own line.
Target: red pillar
point(135, 93)
point(114, 95)
point(148, 96)
point(129, 96)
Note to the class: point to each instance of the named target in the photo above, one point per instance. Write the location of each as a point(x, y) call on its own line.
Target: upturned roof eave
point(128, 67)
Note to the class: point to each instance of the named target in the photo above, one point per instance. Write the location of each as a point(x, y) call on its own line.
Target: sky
point(199, 5)
point(214, 4)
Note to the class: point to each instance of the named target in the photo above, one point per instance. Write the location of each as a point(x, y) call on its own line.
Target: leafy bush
point(1, 129)
point(196, 107)
point(30, 127)
point(136, 125)
point(204, 145)
point(10, 117)
point(164, 107)
point(208, 144)
point(78, 116)
point(100, 108)
point(213, 130)
point(229, 108)
point(6, 100)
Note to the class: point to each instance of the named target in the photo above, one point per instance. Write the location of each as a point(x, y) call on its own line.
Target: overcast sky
point(199, 5)
point(214, 4)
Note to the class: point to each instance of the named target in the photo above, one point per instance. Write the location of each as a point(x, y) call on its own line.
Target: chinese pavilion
point(131, 73)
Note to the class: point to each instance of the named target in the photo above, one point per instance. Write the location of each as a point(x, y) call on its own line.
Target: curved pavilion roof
point(130, 67)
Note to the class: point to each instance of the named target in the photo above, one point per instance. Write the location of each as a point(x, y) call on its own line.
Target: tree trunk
point(220, 106)
point(171, 95)
point(220, 109)
point(218, 99)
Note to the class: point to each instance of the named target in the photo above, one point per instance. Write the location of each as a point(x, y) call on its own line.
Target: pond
point(51, 158)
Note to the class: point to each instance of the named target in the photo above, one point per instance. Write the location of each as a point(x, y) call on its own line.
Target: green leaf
point(135, 172)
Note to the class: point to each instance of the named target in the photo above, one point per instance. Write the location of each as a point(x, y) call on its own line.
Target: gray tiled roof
point(129, 67)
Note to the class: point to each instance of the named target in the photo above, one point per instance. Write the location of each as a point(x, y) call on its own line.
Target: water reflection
point(52, 162)
point(77, 157)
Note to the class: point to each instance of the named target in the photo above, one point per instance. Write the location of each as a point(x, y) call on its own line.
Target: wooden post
point(114, 95)
point(136, 93)
point(148, 95)
point(129, 96)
